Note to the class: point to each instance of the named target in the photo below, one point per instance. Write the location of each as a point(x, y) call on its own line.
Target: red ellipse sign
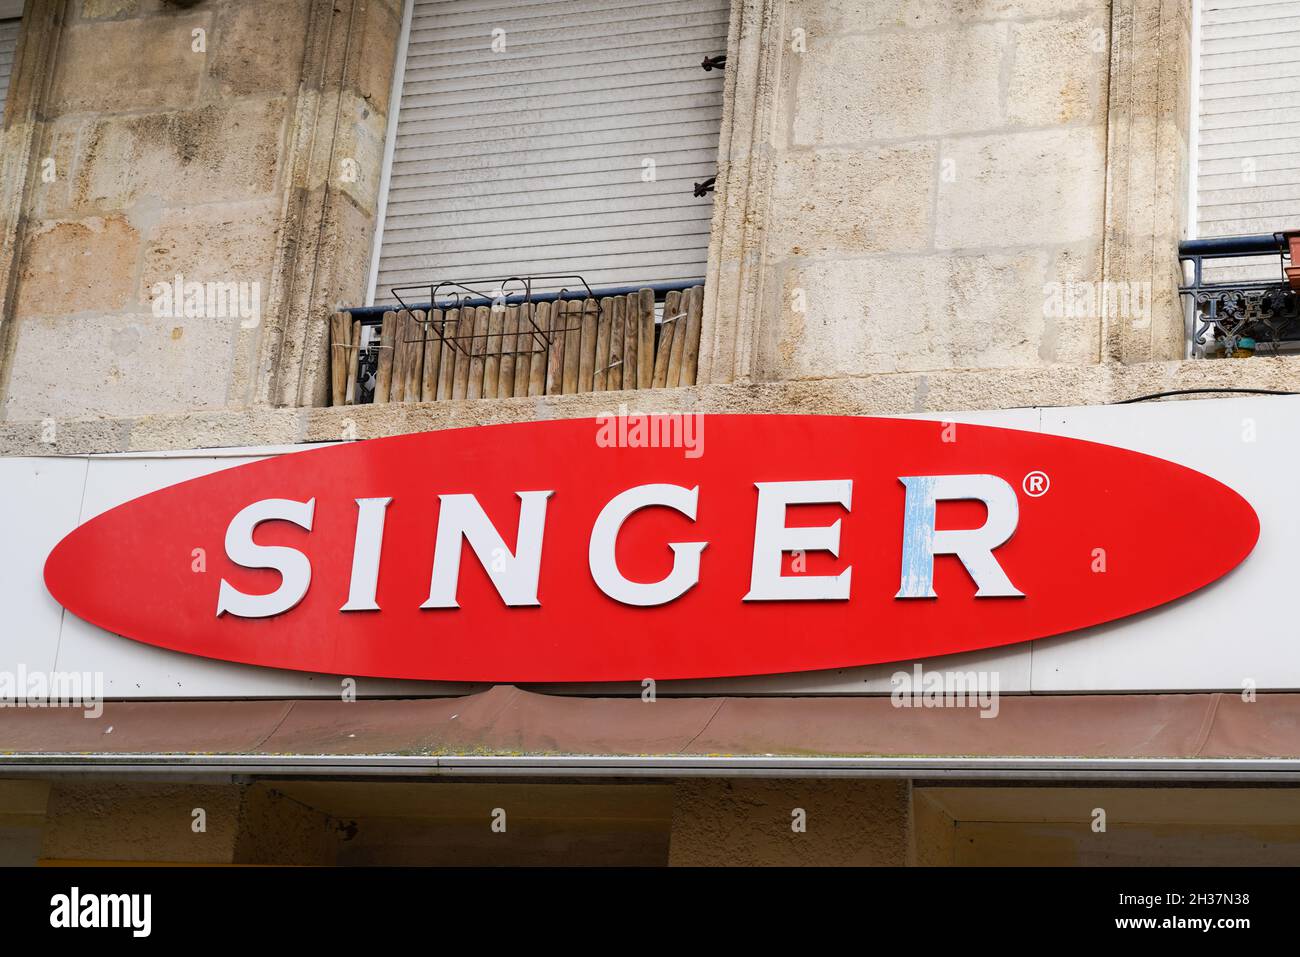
point(576, 550)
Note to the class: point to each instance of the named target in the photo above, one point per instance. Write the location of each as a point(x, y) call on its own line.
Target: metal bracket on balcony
point(718, 62)
point(703, 189)
point(1223, 314)
point(449, 294)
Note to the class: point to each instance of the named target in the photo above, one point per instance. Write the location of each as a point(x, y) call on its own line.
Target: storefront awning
point(508, 730)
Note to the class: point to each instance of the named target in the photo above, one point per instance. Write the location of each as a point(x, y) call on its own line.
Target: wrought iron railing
point(1242, 294)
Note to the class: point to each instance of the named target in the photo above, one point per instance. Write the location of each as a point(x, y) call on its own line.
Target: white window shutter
point(1248, 142)
point(8, 47)
point(532, 161)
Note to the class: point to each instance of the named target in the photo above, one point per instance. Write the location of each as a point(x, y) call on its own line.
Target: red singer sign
point(626, 548)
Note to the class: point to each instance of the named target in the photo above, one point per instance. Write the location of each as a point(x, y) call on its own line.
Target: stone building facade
point(900, 185)
point(897, 184)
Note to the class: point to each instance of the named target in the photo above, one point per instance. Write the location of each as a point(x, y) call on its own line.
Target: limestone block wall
point(199, 140)
point(899, 184)
point(906, 184)
point(935, 166)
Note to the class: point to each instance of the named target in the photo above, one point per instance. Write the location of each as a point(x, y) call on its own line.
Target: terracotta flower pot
point(1293, 270)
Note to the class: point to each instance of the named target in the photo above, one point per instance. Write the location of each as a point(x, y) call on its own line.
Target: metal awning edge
point(973, 768)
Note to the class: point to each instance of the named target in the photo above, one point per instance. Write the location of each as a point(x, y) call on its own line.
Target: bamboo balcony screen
point(530, 349)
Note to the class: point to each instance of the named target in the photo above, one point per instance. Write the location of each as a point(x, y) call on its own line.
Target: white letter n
point(514, 574)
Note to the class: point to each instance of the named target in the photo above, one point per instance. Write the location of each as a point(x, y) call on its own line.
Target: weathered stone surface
point(297, 366)
point(196, 191)
point(258, 47)
point(871, 200)
point(1147, 134)
point(118, 366)
point(1072, 339)
point(226, 152)
point(108, 9)
point(897, 314)
point(60, 436)
point(380, 28)
point(59, 151)
point(855, 320)
point(1021, 164)
point(360, 152)
point(1022, 189)
point(144, 63)
point(258, 426)
point(934, 80)
point(122, 9)
point(946, 390)
point(859, 89)
point(220, 242)
point(1058, 72)
point(77, 266)
point(845, 16)
point(313, 113)
point(991, 309)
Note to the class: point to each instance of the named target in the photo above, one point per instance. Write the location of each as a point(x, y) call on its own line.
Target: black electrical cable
point(1203, 391)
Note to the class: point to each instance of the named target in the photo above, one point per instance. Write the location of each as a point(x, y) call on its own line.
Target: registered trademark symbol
point(1036, 484)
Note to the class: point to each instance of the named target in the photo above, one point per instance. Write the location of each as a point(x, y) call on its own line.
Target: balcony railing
point(1242, 294)
point(449, 341)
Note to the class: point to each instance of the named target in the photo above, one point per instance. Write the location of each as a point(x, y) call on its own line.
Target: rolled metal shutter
point(533, 160)
point(1248, 143)
point(8, 47)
